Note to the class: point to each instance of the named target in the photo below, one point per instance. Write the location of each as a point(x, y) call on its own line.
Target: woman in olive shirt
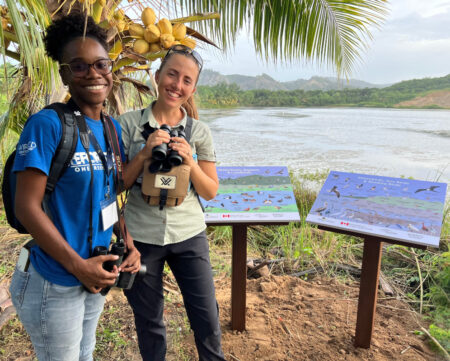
point(175, 235)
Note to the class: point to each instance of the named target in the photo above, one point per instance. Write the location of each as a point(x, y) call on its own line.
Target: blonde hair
point(190, 107)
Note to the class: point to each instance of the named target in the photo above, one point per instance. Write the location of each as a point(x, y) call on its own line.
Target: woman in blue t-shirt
point(57, 295)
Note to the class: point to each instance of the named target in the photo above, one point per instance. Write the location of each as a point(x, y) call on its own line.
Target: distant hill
point(264, 81)
point(431, 93)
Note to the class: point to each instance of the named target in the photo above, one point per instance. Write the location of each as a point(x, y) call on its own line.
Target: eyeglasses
point(183, 49)
point(80, 69)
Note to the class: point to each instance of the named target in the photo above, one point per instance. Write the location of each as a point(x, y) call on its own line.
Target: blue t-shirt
point(70, 202)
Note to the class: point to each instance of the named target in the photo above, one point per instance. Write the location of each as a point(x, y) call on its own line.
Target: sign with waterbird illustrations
point(252, 194)
point(392, 208)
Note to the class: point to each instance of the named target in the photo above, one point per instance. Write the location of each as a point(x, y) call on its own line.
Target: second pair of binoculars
point(163, 158)
point(124, 280)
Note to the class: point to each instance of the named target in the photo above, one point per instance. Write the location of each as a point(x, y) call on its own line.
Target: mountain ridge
point(265, 81)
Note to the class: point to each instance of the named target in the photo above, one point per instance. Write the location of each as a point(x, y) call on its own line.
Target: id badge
point(109, 212)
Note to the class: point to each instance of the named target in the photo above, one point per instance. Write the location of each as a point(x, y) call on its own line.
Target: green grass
point(109, 335)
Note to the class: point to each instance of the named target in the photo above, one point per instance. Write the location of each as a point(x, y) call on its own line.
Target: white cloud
point(414, 42)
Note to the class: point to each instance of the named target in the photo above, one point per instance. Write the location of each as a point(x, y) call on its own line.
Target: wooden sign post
point(378, 209)
point(249, 196)
point(368, 289)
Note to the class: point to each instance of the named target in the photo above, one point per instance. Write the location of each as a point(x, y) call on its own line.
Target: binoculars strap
point(162, 198)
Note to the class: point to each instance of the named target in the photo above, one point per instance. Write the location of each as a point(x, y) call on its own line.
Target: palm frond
point(331, 32)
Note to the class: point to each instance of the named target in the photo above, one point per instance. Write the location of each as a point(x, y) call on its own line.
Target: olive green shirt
point(147, 223)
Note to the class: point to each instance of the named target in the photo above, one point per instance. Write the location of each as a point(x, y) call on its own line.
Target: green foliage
point(443, 336)
point(230, 95)
point(110, 335)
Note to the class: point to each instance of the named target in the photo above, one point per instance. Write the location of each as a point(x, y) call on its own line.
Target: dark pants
point(189, 262)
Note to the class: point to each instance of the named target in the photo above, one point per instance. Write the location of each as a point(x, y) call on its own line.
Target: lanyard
point(86, 139)
point(108, 163)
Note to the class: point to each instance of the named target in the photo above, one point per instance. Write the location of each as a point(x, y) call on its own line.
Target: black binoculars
point(124, 280)
point(163, 158)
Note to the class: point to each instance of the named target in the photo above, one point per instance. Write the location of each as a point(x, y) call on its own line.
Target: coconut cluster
point(154, 36)
point(6, 23)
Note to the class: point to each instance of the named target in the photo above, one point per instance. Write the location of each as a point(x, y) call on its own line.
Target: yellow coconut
point(121, 24)
point(101, 2)
point(140, 46)
point(179, 31)
point(148, 16)
point(189, 42)
point(165, 26)
point(167, 40)
point(154, 47)
point(152, 33)
point(4, 24)
point(119, 14)
point(137, 30)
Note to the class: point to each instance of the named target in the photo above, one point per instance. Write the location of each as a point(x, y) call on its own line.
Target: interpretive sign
point(392, 208)
point(252, 194)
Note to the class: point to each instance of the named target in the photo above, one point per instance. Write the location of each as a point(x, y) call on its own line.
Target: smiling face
point(176, 80)
point(91, 90)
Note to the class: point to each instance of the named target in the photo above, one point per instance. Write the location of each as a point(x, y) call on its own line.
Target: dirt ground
point(291, 319)
point(287, 319)
point(440, 98)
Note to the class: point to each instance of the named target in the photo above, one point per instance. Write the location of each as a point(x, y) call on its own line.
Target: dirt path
point(290, 319)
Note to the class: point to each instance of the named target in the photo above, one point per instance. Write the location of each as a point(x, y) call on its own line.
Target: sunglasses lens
point(183, 49)
point(198, 58)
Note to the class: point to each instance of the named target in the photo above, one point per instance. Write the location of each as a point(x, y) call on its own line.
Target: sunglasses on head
point(183, 49)
point(80, 69)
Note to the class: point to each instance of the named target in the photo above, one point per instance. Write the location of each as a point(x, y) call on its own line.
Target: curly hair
point(67, 28)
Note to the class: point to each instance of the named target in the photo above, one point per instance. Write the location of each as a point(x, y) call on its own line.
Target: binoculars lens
point(163, 158)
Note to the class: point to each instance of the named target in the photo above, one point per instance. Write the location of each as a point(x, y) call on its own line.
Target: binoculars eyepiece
point(163, 157)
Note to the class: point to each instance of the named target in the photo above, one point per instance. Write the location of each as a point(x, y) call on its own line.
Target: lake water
point(387, 142)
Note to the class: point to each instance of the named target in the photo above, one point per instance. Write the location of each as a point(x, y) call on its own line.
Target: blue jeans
point(61, 321)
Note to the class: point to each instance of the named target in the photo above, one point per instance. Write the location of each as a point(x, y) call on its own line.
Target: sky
point(413, 43)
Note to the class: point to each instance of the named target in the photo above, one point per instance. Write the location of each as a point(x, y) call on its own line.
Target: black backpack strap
point(84, 136)
point(66, 147)
point(188, 129)
point(146, 131)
